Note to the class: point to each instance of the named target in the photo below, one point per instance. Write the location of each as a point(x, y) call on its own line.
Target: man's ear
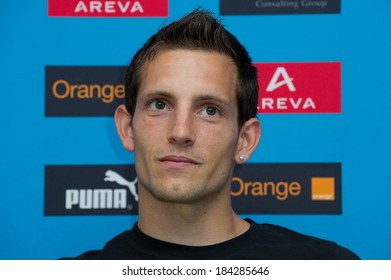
point(249, 137)
point(123, 122)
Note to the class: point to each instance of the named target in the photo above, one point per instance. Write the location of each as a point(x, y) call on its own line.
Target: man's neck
point(198, 224)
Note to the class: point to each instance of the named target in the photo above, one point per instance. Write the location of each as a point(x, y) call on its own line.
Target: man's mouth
point(174, 161)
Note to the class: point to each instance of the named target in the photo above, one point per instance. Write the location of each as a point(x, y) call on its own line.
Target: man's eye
point(158, 105)
point(211, 111)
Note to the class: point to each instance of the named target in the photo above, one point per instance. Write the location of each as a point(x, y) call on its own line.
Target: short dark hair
point(198, 30)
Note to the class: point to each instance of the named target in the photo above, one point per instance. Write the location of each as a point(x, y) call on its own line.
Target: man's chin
point(175, 196)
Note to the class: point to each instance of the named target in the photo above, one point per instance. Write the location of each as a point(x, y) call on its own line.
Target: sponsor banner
point(287, 188)
point(278, 188)
point(294, 87)
point(90, 190)
point(83, 90)
point(274, 7)
point(299, 87)
point(107, 8)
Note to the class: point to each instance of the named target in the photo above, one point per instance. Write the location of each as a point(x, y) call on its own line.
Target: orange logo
point(323, 188)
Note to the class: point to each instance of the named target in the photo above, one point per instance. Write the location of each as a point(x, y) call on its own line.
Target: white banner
point(237, 269)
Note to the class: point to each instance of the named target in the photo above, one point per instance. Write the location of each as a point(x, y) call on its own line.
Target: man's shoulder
point(88, 255)
point(113, 249)
point(295, 245)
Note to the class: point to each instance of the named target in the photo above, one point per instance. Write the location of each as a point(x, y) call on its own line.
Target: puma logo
point(113, 176)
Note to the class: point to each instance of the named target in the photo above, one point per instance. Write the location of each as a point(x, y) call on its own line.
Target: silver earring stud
point(241, 157)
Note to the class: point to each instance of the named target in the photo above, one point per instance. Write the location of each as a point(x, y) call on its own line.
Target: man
point(190, 116)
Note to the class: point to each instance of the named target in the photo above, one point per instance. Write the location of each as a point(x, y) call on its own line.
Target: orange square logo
point(323, 188)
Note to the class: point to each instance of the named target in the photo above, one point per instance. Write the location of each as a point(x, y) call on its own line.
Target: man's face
point(185, 128)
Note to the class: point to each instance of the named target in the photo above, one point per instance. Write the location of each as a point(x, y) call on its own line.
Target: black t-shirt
point(261, 241)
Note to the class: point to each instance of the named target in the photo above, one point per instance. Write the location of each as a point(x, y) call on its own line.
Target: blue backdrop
point(359, 37)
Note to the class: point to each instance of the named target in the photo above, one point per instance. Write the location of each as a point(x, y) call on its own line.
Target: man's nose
point(181, 129)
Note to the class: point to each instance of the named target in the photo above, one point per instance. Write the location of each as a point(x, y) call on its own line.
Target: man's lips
point(174, 161)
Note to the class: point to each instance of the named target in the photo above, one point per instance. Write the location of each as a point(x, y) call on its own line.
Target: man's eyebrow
point(213, 98)
point(157, 93)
